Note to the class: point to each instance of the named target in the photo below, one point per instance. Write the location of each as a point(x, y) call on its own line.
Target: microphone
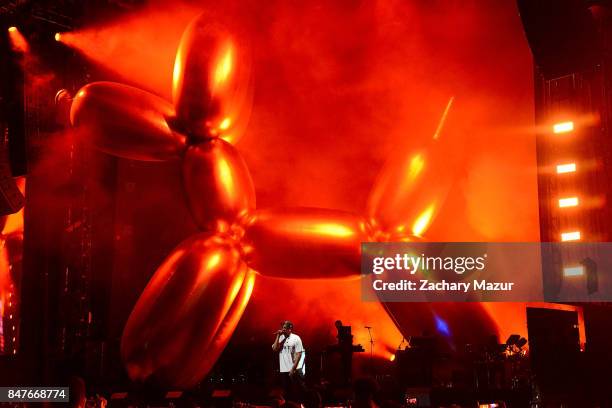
point(368, 327)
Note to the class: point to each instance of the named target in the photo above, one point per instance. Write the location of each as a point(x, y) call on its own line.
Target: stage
point(178, 178)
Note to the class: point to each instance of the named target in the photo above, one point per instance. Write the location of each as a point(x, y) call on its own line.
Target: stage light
point(392, 357)
point(568, 202)
point(570, 236)
point(442, 326)
point(573, 270)
point(563, 127)
point(18, 41)
point(566, 168)
point(58, 37)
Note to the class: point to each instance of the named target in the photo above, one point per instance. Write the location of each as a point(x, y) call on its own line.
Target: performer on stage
point(292, 356)
point(345, 347)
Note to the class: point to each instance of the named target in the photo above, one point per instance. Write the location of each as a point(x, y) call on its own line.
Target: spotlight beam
point(18, 41)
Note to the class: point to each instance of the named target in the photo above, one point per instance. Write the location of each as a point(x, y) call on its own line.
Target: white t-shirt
point(291, 346)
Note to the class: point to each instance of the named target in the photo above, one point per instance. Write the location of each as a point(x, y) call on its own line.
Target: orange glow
point(423, 220)
point(416, 166)
point(213, 261)
point(570, 236)
point(13, 225)
point(334, 230)
point(320, 303)
point(14, 222)
point(223, 68)
point(279, 129)
point(177, 71)
point(563, 127)
point(234, 314)
point(250, 283)
point(392, 357)
point(131, 46)
point(5, 277)
point(568, 202)
point(248, 286)
point(225, 124)
point(566, 168)
point(233, 292)
point(225, 177)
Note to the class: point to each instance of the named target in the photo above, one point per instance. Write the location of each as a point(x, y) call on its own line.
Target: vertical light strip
point(563, 127)
point(570, 236)
point(566, 168)
point(573, 270)
point(568, 202)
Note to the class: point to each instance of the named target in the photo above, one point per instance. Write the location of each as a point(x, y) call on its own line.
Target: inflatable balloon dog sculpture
point(195, 299)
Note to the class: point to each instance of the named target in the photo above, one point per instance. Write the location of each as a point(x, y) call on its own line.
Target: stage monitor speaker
point(554, 347)
point(562, 35)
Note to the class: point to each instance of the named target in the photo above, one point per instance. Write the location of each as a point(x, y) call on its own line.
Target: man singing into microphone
point(291, 356)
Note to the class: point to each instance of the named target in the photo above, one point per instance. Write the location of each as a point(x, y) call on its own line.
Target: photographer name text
point(428, 285)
